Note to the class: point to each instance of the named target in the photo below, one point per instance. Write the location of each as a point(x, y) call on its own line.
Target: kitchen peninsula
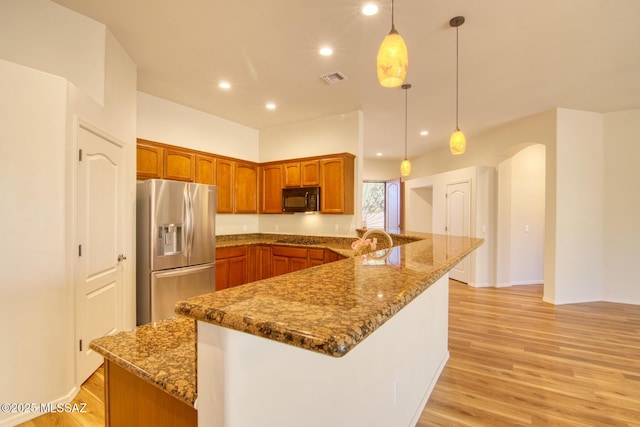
point(360, 341)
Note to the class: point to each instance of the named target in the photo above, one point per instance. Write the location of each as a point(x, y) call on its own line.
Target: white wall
point(38, 111)
point(419, 208)
point(425, 201)
point(590, 244)
point(26, 38)
point(578, 274)
point(334, 134)
point(36, 299)
point(381, 170)
point(622, 207)
point(491, 147)
point(521, 209)
point(165, 121)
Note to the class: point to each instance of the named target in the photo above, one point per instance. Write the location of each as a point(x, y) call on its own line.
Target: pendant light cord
point(457, 66)
point(392, 24)
point(406, 108)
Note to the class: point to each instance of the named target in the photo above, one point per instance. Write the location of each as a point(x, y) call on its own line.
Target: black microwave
point(301, 199)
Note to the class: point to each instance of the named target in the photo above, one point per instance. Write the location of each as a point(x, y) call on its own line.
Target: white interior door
point(459, 222)
point(99, 275)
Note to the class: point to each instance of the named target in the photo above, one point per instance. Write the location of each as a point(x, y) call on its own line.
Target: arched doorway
point(521, 216)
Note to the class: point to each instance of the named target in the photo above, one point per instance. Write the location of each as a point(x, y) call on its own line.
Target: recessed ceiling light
point(424, 132)
point(369, 9)
point(224, 85)
point(326, 51)
point(270, 106)
point(379, 154)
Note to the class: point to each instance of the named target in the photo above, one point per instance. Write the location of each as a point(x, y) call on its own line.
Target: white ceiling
point(517, 58)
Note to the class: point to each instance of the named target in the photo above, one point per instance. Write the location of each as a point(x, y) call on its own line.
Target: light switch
point(526, 228)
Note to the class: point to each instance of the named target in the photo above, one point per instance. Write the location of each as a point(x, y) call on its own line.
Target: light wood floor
point(515, 361)
point(91, 393)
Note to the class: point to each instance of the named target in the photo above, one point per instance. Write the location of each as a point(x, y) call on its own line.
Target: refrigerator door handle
point(191, 224)
point(188, 222)
point(182, 271)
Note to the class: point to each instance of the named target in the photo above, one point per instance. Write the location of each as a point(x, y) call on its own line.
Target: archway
point(521, 216)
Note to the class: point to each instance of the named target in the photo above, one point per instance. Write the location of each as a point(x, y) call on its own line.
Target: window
point(381, 201)
point(373, 204)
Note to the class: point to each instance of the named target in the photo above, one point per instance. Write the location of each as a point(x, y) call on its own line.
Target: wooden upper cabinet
point(224, 181)
point(246, 188)
point(271, 189)
point(205, 169)
point(302, 174)
point(179, 165)
point(149, 161)
point(292, 174)
point(336, 185)
point(310, 173)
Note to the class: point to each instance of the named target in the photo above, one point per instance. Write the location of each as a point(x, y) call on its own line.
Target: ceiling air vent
point(333, 77)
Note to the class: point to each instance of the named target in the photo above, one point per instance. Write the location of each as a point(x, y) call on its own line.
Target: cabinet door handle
point(121, 258)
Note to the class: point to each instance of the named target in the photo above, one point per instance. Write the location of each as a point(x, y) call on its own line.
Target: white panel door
point(459, 223)
point(100, 221)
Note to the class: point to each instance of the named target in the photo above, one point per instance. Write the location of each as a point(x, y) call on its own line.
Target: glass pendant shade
point(393, 60)
point(457, 143)
point(405, 168)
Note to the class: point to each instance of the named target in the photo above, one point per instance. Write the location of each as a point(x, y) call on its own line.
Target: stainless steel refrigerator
point(175, 245)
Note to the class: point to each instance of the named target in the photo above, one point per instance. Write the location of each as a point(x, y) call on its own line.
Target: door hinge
point(80, 155)
point(79, 250)
point(80, 345)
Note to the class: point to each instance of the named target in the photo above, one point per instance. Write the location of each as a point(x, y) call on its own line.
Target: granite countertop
point(340, 245)
point(328, 308)
point(162, 353)
point(332, 307)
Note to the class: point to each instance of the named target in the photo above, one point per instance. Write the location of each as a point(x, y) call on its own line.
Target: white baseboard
point(427, 394)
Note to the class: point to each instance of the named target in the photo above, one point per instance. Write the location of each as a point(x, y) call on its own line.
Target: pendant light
point(405, 166)
point(393, 58)
point(457, 143)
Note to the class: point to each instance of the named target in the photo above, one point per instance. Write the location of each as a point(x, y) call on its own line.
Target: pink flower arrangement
point(364, 246)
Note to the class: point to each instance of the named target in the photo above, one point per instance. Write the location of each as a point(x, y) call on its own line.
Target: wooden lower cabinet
point(330, 256)
point(286, 259)
point(263, 266)
point(231, 267)
point(316, 257)
point(131, 401)
point(238, 265)
point(259, 262)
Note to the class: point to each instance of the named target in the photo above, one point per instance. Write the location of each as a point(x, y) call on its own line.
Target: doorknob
point(121, 258)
